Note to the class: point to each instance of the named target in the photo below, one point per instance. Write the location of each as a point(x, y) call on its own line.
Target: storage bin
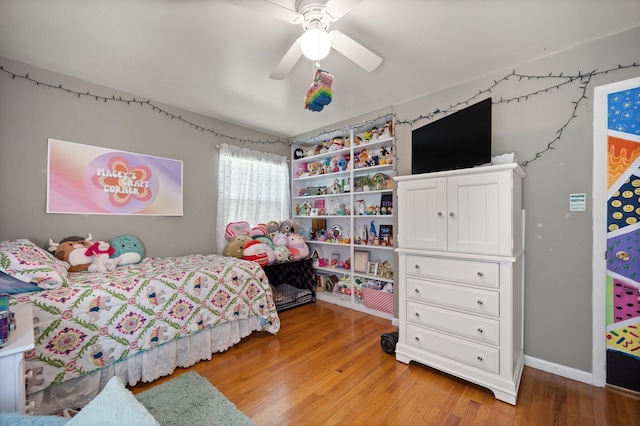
point(378, 299)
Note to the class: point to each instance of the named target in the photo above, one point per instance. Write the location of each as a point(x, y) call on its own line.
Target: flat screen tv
point(456, 141)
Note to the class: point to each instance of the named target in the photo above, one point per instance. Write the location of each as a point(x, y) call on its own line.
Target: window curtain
point(253, 186)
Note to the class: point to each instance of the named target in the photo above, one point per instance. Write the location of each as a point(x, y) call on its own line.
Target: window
point(252, 186)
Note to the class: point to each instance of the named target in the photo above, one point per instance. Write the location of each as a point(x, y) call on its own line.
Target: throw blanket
point(102, 318)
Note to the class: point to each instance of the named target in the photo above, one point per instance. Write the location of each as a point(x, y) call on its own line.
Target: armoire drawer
point(474, 354)
point(485, 330)
point(480, 273)
point(474, 300)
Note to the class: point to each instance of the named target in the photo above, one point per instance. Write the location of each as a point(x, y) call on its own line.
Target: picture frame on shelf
point(372, 268)
point(319, 205)
point(335, 259)
point(386, 203)
point(318, 225)
point(386, 235)
point(360, 261)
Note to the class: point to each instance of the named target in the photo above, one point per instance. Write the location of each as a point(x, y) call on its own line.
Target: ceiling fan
point(316, 42)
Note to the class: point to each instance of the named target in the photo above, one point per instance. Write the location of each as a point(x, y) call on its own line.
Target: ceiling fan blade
point(272, 9)
point(336, 9)
point(354, 51)
point(289, 60)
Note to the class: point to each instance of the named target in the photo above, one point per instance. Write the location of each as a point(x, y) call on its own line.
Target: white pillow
point(27, 262)
point(114, 405)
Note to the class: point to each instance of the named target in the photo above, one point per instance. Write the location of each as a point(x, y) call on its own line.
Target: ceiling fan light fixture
point(315, 44)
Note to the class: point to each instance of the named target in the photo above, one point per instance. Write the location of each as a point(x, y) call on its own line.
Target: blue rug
point(191, 400)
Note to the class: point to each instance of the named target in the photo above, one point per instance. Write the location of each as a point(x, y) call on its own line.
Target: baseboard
point(560, 370)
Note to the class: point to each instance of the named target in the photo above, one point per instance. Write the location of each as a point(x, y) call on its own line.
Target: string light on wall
point(583, 79)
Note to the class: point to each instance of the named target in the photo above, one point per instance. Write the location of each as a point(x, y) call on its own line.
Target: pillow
point(114, 405)
point(27, 262)
point(11, 285)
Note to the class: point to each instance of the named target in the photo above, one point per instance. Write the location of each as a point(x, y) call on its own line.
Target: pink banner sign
point(85, 179)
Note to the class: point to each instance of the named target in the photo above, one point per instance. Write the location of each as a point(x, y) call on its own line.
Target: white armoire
point(461, 274)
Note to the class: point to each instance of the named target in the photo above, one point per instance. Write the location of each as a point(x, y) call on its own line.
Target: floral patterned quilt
point(102, 318)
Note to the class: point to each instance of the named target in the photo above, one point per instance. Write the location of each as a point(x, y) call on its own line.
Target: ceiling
point(214, 58)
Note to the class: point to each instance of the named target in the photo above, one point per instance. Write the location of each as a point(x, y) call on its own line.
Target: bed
point(138, 322)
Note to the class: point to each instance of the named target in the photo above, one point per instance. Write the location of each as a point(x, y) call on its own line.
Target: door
point(422, 209)
point(617, 222)
point(479, 213)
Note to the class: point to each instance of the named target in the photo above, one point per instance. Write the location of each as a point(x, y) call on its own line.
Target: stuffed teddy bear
point(101, 250)
point(127, 249)
point(235, 246)
point(72, 250)
point(313, 168)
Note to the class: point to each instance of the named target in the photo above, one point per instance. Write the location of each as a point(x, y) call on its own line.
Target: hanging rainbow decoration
point(319, 94)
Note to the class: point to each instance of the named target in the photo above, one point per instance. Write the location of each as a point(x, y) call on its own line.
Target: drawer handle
point(451, 214)
point(416, 290)
point(417, 339)
point(480, 302)
point(417, 314)
point(480, 331)
point(417, 266)
point(440, 213)
point(479, 358)
point(480, 274)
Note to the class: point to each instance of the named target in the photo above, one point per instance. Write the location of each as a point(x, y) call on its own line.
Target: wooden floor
point(326, 367)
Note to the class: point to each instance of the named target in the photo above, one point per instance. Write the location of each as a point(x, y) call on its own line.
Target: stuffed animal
point(235, 246)
point(72, 250)
point(280, 240)
point(271, 255)
point(297, 247)
point(254, 251)
point(264, 239)
point(127, 249)
point(235, 229)
point(259, 229)
point(272, 227)
point(313, 168)
point(282, 254)
point(288, 227)
point(101, 250)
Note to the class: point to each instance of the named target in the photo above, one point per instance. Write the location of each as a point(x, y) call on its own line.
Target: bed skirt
point(146, 366)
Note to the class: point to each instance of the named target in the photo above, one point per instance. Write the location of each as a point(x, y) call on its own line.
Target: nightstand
point(12, 385)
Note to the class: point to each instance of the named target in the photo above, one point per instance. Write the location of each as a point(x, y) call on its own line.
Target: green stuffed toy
point(235, 245)
point(127, 249)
